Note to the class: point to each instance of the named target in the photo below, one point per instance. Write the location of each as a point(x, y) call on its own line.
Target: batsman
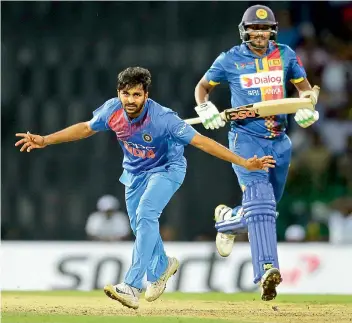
point(257, 70)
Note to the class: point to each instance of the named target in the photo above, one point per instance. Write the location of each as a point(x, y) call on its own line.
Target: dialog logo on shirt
point(247, 81)
point(255, 80)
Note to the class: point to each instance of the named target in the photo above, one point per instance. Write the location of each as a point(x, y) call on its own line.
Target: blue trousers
point(247, 146)
point(146, 197)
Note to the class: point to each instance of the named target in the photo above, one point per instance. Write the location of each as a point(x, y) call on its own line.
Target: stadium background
point(59, 61)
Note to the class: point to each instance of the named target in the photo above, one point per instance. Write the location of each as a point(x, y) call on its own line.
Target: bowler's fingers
point(268, 165)
point(31, 137)
point(253, 159)
point(267, 162)
point(20, 142)
point(25, 146)
point(24, 135)
point(268, 159)
point(27, 137)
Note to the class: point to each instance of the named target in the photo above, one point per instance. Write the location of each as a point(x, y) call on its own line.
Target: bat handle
point(316, 89)
point(223, 116)
point(193, 121)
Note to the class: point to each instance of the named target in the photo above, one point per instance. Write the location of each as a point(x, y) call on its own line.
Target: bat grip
point(316, 89)
point(193, 121)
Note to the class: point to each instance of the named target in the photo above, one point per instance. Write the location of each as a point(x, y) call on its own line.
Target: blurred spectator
point(13, 232)
point(316, 161)
point(168, 233)
point(288, 33)
point(108, 223)
point(344, 163)
point(335, 76)
point(347, 24)
point(335, 135)
point(314, 57)
point(317, 228)
point(340, 221)
point(317, 231)
point(295, 233)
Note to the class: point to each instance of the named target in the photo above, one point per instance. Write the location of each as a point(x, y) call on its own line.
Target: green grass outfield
point(89, 307)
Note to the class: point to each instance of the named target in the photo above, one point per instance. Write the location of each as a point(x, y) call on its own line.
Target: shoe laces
point(124, 288)
point(128, 289)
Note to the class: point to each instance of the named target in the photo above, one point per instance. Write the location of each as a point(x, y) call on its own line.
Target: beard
point(133, 110)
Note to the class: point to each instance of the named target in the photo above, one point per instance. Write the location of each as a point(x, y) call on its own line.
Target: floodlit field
point(88, 307)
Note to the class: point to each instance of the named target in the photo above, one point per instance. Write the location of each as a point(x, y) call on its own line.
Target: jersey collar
point(246, 50)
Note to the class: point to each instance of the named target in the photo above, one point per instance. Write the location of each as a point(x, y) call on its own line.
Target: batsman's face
point(133, 100)
point(259, 35)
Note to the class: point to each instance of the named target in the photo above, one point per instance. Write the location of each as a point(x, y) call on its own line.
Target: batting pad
point(234, 225)
point(259, 208)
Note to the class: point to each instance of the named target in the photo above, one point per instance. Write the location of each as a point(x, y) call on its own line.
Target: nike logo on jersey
point(255, 80)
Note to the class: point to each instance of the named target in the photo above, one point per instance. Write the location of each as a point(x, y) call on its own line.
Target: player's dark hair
point(134, 76)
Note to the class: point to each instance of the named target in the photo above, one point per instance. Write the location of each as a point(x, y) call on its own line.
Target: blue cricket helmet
point(258, 15)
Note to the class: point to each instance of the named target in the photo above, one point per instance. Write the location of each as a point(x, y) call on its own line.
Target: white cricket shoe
point(224, 241)
point(155, 289)
point(125, 294)
point(270, 280)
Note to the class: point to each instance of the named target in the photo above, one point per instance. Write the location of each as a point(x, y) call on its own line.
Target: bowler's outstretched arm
point(214, 148)
point(75, 132)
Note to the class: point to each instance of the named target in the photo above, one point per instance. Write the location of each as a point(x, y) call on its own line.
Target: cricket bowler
point(152, 138)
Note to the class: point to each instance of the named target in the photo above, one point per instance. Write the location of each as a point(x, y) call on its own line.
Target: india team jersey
point(253, 79)
point(150, 142)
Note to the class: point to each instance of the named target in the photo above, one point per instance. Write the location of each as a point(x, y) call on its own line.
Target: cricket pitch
point(88, 307)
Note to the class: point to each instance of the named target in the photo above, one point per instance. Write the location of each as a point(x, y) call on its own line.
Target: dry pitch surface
point(88, 307)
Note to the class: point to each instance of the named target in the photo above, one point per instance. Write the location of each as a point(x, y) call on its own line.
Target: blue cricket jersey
point(254, 79)
point(150, 142)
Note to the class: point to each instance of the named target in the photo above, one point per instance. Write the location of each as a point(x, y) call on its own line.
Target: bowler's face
point(133, 100)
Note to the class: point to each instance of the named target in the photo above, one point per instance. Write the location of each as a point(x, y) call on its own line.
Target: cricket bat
point(264, 109)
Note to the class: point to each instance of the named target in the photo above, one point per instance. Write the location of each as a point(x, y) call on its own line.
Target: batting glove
point(209, 115)
point(306, 117)
point(310, 94)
